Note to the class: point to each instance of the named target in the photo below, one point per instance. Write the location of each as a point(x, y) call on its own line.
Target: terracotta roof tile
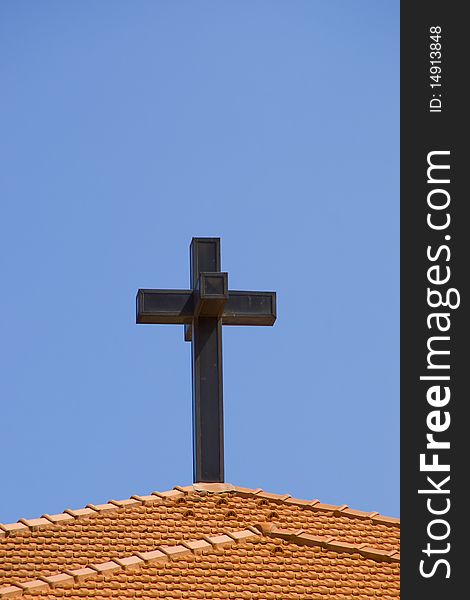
point(197, 546)
point(214, 488)
point(102, 507)
point(243, 492)
point(129, 562)
point(59, 580)
point(81, 574)
point(219, 540)
point(149, 499)
point(176, 551)
point(387, 520)
point(257, 567)
point(34, 523)
point(107, 567)
point(124, 503)
point(60, 518)
point(299, 502)
point(273, 497)
point(174, 494)
point(184, 488)
point(13, 527)
point(152, 556)
point(327, 507)
point(202, 521)
point(242, 536)
point(332, 543)
point(358, 513)
point(81, 512)
point(34, 585)
point(11, 591)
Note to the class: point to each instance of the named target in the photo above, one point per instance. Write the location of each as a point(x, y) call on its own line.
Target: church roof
point(202, 541)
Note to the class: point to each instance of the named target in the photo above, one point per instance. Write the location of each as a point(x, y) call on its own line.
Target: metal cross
point(203, 310)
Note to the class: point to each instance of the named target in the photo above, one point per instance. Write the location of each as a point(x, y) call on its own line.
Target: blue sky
point(128, 128)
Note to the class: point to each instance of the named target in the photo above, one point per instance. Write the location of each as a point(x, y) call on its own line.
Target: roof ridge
point(162, 553)
point(46, 520)
point(302, 538)
point(166, 552)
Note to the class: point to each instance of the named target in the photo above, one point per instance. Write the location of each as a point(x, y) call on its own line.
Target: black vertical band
point(204, 256)
point(208, 421)
point(434, 278)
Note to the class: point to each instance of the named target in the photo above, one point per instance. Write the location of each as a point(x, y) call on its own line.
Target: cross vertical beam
point(206, 351)
point(203, 309)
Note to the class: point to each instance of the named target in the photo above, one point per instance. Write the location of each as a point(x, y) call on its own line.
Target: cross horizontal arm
point(250, 308)
point(165, 306)
point(177, 307)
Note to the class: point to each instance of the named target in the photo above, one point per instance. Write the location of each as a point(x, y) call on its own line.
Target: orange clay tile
point(299, 502)
point(174, 551)
point(197, 546)
point(125, 503)
point(334, 544)
point(129, 562)
point(59, 580)
point(107, 567)
point(81, 574)
point(285, 533)
point(339, 546)
point(307, 539)
point(34, 585)
point(328, 507)
point(80, 512)
point(60, 518)
point(14, 527)
point(357, 513)
point(149, 499)
point(173, 494)
point(219, 540)
point(243, 492)
point(11, 591)
point(252, 568)
point(183, 488)
point(101, 507)
point(385, 520)
point(152, 556)
point(241, 536)
point(214, 488)
point(251, 542)
point(34, 523)
point(273, 497)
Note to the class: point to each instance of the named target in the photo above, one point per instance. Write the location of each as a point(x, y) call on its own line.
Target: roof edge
point(46, 520)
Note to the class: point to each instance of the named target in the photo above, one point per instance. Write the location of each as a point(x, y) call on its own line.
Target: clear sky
point(126, 129)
